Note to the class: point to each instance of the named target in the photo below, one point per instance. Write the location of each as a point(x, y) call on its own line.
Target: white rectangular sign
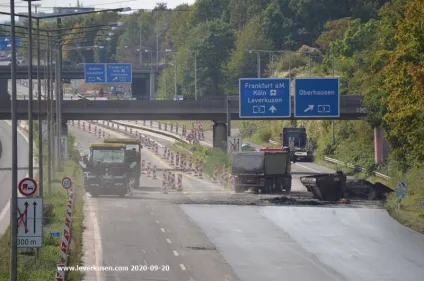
point(234, 144)
point(64, 147)
point(30, 222)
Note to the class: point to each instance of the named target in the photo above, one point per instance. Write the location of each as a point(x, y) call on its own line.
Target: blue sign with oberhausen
point(317, 97)
point(119, 73)
point(95, 73)
point(264, 98)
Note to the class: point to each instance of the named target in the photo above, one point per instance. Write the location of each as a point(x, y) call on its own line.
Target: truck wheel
point(239, 189)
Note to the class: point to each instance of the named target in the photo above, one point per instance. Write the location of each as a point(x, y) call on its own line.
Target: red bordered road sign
point(27, 187)
point(66, 183)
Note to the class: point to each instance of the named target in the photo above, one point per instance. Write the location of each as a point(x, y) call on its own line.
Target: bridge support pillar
point(4, 90)
point(152, 85)
point(219, 135)
point(381, 147)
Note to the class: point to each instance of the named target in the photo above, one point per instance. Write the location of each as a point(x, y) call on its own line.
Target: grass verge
point(44, 267)
point(210, 157)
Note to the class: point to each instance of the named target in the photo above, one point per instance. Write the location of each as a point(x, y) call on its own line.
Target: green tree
point(405, 85)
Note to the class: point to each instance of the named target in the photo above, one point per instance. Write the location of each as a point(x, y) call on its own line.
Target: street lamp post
point(40, 124)
point(14, 199)
point(195, 75)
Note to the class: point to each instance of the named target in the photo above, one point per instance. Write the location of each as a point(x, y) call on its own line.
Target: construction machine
point(133, 148)
point(105, 170)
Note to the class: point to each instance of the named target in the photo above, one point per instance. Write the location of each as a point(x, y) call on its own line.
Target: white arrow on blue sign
point(264, 98)
point(95, 73)
point(119, 73)
point(317, 97)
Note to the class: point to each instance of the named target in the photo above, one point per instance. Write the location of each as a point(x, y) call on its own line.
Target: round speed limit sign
point(66, 183)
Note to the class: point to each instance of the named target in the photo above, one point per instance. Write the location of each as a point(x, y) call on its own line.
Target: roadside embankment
point(43, 267)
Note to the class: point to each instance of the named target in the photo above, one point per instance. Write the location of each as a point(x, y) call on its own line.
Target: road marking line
point(307, 168)
point(182, 266)
point(175, 253)
point(161, 229)
point(168, 240)
point(152, 213)
point(147, 206)
point(157, 221)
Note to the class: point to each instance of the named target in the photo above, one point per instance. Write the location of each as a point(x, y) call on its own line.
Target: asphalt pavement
point(214, 242)
point(6, 175)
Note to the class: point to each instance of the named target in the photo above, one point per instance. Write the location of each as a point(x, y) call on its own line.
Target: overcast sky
point(21, 6)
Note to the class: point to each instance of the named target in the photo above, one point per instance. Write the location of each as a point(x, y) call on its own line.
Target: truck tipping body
point(268, 171)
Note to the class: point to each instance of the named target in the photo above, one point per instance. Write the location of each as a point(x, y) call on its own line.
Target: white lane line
point(163, 230)
point(175, 253)
point(152, 213)
point(182, 266)
point(168, 240)
point(157, 221)
point(147, 206)
point(307, 168)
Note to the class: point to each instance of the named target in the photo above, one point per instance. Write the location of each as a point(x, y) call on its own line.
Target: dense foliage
point(374, 46)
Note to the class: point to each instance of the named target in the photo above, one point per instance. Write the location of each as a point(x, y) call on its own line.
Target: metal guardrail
point(355, 167)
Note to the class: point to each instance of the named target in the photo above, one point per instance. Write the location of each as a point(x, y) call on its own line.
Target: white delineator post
point(180, 182)
point(154, 172)
point(149, 171)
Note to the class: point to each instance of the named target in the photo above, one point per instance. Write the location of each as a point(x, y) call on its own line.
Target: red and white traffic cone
point(154, 172)
point(149, 171)
point(143, 166)
point(180, 182)
point(215, 174)
point(164, 181)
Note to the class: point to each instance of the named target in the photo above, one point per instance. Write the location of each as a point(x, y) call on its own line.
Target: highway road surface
point(220, 241)
point(6, 175)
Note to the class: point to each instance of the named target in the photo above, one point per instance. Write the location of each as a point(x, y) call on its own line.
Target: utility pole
point(141, 41)
point(40, 121)
point(258, 59)
point(49, 116)
point(175, 77)
point(195, 75)
point(30, 96)
point(157, 40)
point(14, 200)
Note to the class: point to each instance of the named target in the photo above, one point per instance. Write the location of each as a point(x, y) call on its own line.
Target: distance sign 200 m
point(150, 268)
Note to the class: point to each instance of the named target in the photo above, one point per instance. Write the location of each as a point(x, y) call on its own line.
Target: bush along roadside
point(43, 267)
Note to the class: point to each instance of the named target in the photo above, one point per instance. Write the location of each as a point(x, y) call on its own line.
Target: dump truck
point(297, 140)
point(105, 170)
point(133, 148)
point(267, 171)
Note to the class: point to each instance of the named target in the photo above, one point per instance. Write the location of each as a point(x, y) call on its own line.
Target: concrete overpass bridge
point(215, 109)
point(351, 108)
point(144, 77)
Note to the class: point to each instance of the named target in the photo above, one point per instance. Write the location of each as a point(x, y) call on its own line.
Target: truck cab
point(105, 170)
point(297, 141)
point(133, 149)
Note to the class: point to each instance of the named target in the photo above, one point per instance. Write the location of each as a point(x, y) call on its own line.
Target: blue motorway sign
point(95, 73)
point(264, 98)
point(317, 97)
point(119, 73)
